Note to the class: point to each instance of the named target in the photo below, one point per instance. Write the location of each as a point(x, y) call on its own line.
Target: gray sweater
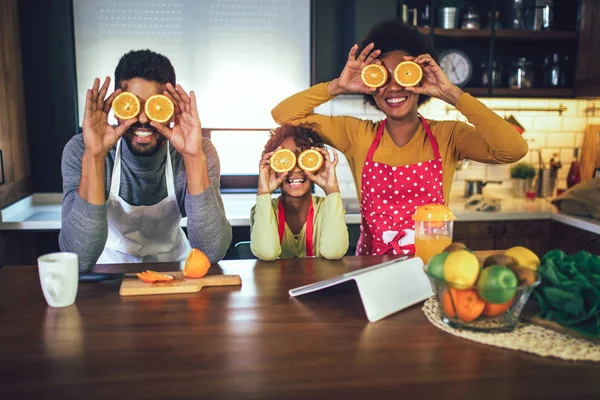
point(85, 226)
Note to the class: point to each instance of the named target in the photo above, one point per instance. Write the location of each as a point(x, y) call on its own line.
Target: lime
point(435, 267)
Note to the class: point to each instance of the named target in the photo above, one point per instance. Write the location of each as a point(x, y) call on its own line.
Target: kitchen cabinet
point(571, 239)
point(476, 235)
point(533, 234)
point(574, 36)
point(501, 235)
point(587, 78)
point(14, 160)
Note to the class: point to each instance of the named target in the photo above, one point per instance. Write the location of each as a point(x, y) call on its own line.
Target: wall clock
point(457, 66)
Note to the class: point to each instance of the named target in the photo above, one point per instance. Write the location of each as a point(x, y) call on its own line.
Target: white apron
point(143, 233)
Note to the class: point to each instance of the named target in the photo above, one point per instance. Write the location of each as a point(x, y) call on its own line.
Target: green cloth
point(569, 292)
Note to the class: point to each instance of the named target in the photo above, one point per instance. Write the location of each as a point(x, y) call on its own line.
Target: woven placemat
point(526, 337)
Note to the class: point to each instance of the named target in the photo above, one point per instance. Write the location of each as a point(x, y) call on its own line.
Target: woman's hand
point(434, 83)
point(325, 177)
point(269, 180)
point(350, 80)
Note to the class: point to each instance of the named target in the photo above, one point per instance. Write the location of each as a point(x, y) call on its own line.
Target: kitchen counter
point(42, 212)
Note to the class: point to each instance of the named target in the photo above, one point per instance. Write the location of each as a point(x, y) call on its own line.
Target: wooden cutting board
point(179, 284)
point(589, 152)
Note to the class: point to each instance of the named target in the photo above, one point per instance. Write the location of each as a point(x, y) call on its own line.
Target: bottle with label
point(574, 176)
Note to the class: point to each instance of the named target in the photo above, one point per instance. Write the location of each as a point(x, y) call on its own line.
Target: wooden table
point(253, 342)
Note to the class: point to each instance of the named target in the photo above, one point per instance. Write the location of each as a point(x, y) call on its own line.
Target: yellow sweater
point(491, 140)
point(330, 233)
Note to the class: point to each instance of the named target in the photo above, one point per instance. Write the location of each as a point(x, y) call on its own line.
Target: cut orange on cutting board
point(126, 105)
point(159, 108)
point(149, 276)
point(310, 160)
point(408, 73)
point(283, 160)
point(196, 264)
point(374, 75)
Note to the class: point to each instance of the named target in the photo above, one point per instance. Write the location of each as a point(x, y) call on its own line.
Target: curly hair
point(144, 64)
point(393, 34)
point(305, 136)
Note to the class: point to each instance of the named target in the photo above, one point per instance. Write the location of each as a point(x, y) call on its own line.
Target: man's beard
point(143, 149)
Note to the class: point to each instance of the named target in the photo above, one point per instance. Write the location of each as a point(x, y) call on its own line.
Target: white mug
point(59, 276)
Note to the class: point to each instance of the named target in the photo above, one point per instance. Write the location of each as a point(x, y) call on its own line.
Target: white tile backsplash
point(574, 124)
point(560, 139)
point(548, 124)
point(545, 130)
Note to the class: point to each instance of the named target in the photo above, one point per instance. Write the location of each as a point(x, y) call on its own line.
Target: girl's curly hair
point(305, 136)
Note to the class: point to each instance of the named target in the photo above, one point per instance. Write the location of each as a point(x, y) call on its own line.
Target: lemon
point(461, 269)
point(524, 257)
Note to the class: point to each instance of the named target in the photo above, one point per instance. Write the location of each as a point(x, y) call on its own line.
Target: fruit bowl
point(465, 308)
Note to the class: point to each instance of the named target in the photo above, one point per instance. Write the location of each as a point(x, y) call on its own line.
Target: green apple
point(497, 284)
point(435, 266)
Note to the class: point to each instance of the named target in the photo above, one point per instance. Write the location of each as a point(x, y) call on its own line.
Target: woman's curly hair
point(393, 34)
point(144, 64)
point(305, 136)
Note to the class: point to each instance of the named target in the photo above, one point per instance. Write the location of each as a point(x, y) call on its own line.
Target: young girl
point(298, 224)
point(405, 160)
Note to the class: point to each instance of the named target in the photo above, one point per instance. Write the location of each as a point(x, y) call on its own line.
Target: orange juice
point(427, 246)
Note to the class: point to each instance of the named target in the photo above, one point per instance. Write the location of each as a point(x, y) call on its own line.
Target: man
point(126, 187)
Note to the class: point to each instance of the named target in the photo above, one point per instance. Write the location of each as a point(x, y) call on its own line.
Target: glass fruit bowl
point(466, 308)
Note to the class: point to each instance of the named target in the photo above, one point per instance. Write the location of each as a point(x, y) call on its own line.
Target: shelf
point(542, 92)
point(476, 91)
point(554, 36)
point(505, 34)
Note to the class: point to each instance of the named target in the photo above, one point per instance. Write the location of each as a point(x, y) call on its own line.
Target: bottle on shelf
point(574, 176)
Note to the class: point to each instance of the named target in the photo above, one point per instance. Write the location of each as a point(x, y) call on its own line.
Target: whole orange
point(465, 303)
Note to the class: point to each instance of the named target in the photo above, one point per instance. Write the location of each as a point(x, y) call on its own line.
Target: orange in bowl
point(408, 73)
point(283, 160)
point(374, 75)
point(126, 105)
point(159, 108)
point(310, 160)
point(196, 264)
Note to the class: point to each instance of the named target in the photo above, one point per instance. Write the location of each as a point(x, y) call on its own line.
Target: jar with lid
point(521, 74)
point(555, 74)
point(496, 74)
point(470, 19)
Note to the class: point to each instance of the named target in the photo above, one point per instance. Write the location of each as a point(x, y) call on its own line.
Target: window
point(241, 57)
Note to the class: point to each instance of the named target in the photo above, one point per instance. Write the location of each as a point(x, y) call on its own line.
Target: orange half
point(159, 108)
point(196, 264)
point(126, 105)
point(408, 73)
point(283, 160)
point(374, 75)
point(310, 160)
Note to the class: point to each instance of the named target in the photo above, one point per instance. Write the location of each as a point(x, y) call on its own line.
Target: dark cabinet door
point(587, 78)
point(533, 234)
point(571, 240)
point(475, 235)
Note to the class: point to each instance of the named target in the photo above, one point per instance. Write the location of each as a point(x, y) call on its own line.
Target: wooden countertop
point(253, 342)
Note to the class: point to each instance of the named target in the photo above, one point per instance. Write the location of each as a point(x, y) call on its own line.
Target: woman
point(405, 160)
point(298, 224)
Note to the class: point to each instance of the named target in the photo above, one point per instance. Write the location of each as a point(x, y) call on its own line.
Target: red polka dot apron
point(390, 196)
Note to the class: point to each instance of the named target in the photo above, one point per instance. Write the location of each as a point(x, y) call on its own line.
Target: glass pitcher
point(434, 226)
